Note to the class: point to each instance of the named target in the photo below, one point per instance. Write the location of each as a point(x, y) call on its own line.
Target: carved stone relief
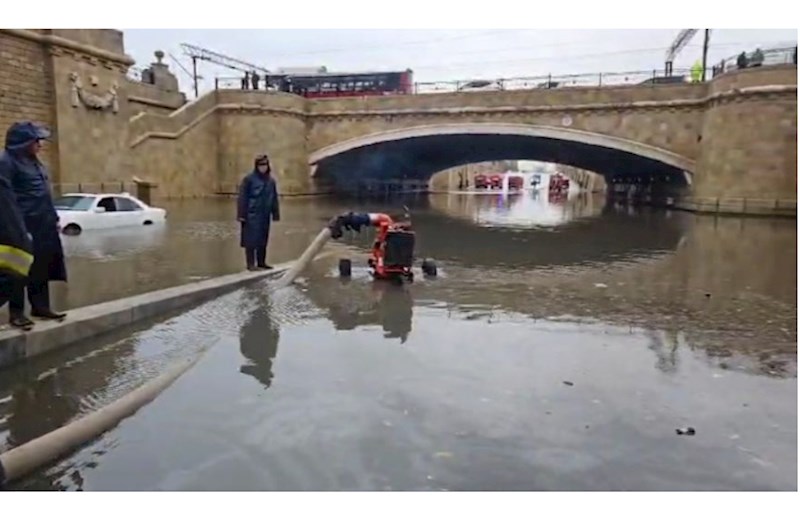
point(101, 102)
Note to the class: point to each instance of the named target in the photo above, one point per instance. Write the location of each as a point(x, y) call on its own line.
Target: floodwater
point(560, 348)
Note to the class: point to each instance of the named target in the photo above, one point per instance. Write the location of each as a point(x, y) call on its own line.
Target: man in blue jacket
point(257, 208)
point(20, 166)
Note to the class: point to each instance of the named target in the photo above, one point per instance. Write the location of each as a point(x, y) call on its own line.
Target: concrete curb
point(89, 321)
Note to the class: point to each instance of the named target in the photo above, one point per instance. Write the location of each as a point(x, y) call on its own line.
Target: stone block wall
point(749, 141)
point(38, 73)
point(253, 123)
point(151, 99)
point(26, 89)
point(185, 166)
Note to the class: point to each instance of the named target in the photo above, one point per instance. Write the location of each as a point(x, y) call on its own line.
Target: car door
point(131, 214)
point(106, 214)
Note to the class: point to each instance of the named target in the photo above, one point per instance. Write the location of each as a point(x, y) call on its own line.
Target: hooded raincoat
point(30, 182)
point(257, 207)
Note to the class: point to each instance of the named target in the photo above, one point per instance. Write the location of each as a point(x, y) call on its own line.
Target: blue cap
point(23, 134)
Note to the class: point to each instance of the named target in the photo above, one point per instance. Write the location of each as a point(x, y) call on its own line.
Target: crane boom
point(199, 53)
point(683, 38)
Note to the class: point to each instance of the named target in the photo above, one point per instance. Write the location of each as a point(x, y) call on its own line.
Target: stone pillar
point(90, 110)
point(748, 154)
point(159, 75)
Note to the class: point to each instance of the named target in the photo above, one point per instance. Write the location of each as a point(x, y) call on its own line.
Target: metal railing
point(550, 81)
point(772, 57)
point(554, 81)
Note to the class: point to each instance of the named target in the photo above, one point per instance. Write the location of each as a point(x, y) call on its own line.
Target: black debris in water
point(569, 383)
point(688, 431)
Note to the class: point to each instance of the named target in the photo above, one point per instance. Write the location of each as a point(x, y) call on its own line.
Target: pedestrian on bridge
point(697, 72)
point(28, 178)
point(257, 207)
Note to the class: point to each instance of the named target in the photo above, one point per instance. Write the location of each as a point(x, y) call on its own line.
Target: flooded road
point(560, 348)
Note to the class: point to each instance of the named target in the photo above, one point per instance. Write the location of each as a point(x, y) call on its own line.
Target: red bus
point(327, 85)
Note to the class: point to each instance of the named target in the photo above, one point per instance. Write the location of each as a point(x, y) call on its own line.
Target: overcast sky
point(448, 54)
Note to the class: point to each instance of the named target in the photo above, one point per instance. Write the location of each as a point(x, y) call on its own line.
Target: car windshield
point(74, 203)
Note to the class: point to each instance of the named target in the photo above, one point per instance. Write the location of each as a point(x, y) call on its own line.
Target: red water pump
point(393, 250)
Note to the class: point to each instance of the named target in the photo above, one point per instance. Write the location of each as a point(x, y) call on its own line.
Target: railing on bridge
point(518, 83)
point(772, 56)
point(551, 81)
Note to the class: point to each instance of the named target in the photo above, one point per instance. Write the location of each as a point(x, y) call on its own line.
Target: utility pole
point(194, 75)
point(706, 37)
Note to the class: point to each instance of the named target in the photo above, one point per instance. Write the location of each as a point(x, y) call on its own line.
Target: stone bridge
point(731, 142)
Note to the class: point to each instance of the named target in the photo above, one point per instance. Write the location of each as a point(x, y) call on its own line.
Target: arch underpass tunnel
point(418, 158)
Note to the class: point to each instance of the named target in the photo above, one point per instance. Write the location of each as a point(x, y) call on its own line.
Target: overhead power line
point(549, 57)
point(365, 47)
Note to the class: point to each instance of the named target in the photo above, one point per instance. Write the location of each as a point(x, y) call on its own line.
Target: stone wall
point(179, 152)
point(662, 118)
point(38, 74)
point(151, 99)
point(749, 146)
point(26, 88)
point(253, 123)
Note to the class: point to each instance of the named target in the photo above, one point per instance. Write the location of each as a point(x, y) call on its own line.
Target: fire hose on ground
point(26, 458)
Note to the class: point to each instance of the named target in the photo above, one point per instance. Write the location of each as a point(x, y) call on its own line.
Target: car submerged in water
point(89, 211)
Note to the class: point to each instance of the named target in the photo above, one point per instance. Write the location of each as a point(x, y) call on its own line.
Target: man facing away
point(28, 178)
point(257, 208)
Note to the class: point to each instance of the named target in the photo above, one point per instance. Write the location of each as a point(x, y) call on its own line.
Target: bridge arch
point(420, 151)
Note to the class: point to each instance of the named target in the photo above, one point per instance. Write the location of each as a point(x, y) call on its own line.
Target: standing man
point(257, 208)
point(20, 166)
point(16, 249)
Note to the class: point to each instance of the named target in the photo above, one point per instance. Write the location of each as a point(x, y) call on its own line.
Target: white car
point(90, 211)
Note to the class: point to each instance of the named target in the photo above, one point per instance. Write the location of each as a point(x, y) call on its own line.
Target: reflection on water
point(527, 210)
point(547, 355)
point(258, 341)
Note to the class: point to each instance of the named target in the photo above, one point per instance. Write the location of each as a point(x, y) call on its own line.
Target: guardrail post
point(549, 80)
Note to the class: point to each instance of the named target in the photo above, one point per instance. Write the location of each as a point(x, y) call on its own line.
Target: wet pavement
point(560, 348)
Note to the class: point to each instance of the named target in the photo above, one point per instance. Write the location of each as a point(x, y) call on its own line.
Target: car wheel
point(71, 229)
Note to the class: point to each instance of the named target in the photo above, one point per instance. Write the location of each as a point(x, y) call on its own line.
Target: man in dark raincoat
point(16, 248)
point(20, 165)
point(257, 208)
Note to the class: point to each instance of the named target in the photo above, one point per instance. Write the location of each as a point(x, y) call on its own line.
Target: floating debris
point(569, 383)
point(687, 431)
point(600, 285)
